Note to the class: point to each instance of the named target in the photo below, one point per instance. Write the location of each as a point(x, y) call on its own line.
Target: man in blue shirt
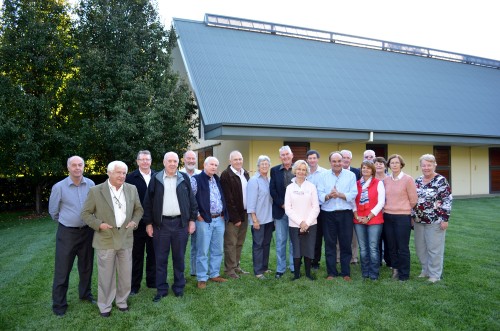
point(73, 237)
point(337, 191)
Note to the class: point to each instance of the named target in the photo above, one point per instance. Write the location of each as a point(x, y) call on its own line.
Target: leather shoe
point(89, 298)
point(123, 309)
point(330, 277)
point(132, 293)
point(278, 275)
point(202, 285)
point(218, 279)
point(60, 313)
point(347, 278)
point(179, 294)
point(241, 271)
point(235, 276)
point(106, 314)
point(158, 297)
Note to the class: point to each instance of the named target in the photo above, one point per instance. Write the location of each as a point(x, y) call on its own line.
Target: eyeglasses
point(144, 160)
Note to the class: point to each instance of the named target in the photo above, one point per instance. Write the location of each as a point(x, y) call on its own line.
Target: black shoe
point(315, 267)
point(59, 313)
point(89, 298)
point(179, 294)
point(132, 293)
point(158, 297)
point(278, 275)
point(106, 314)
point(123, 309)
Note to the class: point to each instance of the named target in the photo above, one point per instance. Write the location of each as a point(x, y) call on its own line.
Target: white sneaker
point(423, 275)
point(433, 280)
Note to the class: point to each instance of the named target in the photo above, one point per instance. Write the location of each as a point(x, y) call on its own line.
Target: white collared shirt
point(147, 177)
point(244, 183)
point(119, 204)
point(170, 202)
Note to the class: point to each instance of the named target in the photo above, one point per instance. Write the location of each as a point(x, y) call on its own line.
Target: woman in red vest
point(368, 219)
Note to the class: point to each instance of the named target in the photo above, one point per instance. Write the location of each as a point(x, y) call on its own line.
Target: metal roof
point(262, 85)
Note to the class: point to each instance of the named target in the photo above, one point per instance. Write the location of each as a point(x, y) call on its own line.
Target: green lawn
point(467, 299)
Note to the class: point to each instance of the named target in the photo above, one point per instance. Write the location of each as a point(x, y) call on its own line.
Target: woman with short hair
point(431, 215)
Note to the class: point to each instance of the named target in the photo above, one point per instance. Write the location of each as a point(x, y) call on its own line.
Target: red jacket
point(364, 210)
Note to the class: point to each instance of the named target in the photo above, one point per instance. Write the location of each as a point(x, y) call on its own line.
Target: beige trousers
point(113, 264)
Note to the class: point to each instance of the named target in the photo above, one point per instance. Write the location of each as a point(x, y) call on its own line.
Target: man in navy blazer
point(281, 177)
point(142, 242)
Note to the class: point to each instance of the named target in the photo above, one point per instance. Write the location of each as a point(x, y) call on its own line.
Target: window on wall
point(379, 149)
point(299, 149)
point(443, 160)
point(494, 156)
point(203, 154)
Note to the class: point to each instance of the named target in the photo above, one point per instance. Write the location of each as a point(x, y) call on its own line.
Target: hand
point(256, 225)
point(131, 224)
point(149, 230)
point(444, 225)
point(105, 226)
point(237, 224)
point(191, 227)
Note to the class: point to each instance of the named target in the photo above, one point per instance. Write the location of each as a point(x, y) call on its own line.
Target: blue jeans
point(398, 230)
point(209, 239)
point(261, 246)
point(193, 254)
point(281, 226)
point(368, 240)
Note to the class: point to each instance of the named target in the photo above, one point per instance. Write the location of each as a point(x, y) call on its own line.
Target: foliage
point(468, 298)
point(126, 94)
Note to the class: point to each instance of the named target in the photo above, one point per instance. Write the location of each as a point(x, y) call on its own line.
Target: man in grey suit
point(113, 209)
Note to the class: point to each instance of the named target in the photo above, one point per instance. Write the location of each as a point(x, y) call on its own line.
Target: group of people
point(145, 215)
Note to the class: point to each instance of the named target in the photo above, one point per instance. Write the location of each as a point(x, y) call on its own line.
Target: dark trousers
point(397, 230)
point(70, 243)
point(384, 251)
point(261, 245)
point(170, 235)
point(338, 225)
point(319, 240)
point(143, 243)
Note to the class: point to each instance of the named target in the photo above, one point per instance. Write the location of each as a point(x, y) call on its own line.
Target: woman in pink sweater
point(400, 198)
point(302, 209)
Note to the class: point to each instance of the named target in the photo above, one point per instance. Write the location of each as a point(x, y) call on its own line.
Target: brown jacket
point(231, 184)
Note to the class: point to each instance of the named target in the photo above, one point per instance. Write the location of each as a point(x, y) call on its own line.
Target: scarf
point(363, 199)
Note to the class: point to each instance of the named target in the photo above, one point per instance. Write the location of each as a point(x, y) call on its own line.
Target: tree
point(127, 96)
point(36, 56)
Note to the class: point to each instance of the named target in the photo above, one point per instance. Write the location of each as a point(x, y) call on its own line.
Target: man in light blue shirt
point(337, 191)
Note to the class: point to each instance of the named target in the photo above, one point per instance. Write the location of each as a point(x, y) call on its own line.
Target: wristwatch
point(368, 218)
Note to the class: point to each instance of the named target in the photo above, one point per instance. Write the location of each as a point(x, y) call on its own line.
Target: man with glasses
point(142, 242)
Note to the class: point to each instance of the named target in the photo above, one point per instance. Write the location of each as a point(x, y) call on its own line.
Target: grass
point(467, 299)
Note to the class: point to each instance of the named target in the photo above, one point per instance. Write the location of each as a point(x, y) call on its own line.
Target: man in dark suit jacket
point(113, 210)
point(281, 176)
point(140, 178)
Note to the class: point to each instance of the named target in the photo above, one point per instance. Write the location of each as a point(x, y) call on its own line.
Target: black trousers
point(70, 243)
point(338, 225)
point(170, 235)
point(143, 243)
point(319, 240)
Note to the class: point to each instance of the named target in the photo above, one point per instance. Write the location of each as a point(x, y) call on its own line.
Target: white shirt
point(119, 204)
point(244, 184)
point(170, 202)
point(147, 177)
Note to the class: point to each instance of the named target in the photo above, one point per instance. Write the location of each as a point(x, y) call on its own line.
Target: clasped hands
point(304, 227)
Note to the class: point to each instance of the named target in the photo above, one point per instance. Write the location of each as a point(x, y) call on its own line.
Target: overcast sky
point(467, 27)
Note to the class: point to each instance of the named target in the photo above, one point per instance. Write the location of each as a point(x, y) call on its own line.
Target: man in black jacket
point(140, 178)
point(170, 209)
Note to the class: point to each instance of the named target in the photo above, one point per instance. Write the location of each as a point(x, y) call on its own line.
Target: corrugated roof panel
point(259, 79)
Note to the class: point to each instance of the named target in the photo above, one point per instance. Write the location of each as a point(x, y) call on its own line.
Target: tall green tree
point(36, 56)
point(127, 96)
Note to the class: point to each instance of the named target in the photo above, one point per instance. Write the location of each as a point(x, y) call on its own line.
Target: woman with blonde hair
point(431, 215)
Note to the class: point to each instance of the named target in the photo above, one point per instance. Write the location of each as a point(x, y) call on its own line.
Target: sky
point(466, 27)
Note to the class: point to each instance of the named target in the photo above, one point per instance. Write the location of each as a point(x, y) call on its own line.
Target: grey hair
point(233, 153)
point(112, 166)
point(195, 155)
point(429, 158)
point(263, 158)
point(145, 152)
point(210, 158)
point(71, 157)
point(346, 151)
point(285, 148)
point(298, 163)
point(369, 151)
point(167, 154)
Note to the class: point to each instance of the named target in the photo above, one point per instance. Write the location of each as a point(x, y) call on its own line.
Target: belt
point(75, 227)
point(216, 215)
point(342, 211)
point(171, 218)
